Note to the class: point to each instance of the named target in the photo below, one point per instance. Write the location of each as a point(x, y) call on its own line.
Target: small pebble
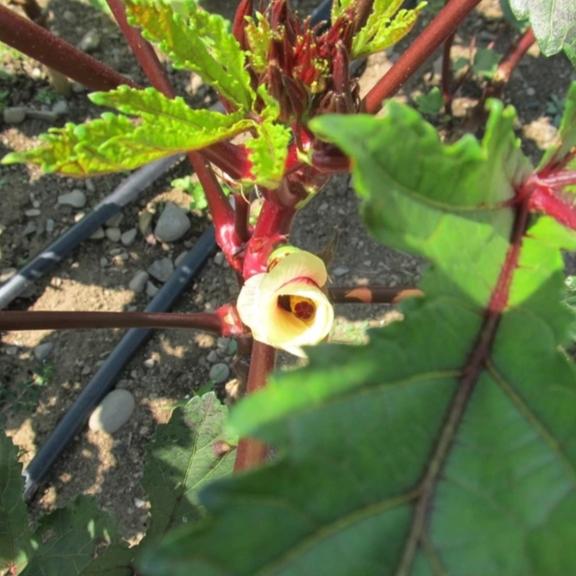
point(90, 41)
point(42, 351)
point(340, 271)
point(29, 229)
point(114, 221)
point(103, 262)
point(172, 224)
point(113, 234)
point(98, 235)
point(138, 282)
point(219, 258)
point(60, 108)
point(180, 259)
point(6, 274)
point(151, 289)
point(14, 115)
point(213, 357)
point(76, 199)
point(113, 412)
point(129, 236)
point(32, 212)
point(219, 373)
point(161, 269)
point(145, 222)
point(50, 225)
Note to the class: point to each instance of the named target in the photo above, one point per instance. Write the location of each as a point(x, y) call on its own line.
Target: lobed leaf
point(386, 25)
point(15, 533)
point(198, 41)
point(68, 538)
point(339, 7)
point(116, 560)
point(114, 143)
point(552, 22)
point(447, 445)
point(182, 459)
point(269, 149)
point(259, 36)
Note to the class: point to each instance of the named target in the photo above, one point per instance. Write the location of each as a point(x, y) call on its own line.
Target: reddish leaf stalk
point(251, 452)
point(220, 209)
point(371, 294)
point(145, 54)
point(447, 75)
point(511, 60)
point(419, 51)
point(241, 213)
point(560, 179)
point(101, 320)
point(38, 43)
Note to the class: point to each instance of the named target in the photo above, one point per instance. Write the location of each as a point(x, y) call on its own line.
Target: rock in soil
point(113, 412)
point(172, 224)
point(113, 234)
point(219, 373)
point(129, 236)
point(161, 269)
point(138, 282)
point(42, 351)
point(14, 115)
point(76, 199)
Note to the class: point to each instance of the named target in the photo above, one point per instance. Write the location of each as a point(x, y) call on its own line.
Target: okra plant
point(447, 444)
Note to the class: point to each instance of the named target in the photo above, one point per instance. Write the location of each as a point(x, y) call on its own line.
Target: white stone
point(98, 235)
point(138, 282)
point(32, 212)
point(113, 412)
point(172, 224)
point(340, 271)
point(113, 234)
point(42, 351)
point(161, 269)
point(50, 225)
point(6, 274)
point(60, 108)
point(129, 236)
point(76, 199)
point(90, 41)
point(14, 115)
point(219, 373)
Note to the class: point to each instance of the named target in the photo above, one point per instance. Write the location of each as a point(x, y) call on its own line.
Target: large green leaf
point(68, 539)
point(199, 41)
point(15, 534)
point(447, 445)
point(181, 459)
point(553, 22)
point(116, 560)
point(115, 143)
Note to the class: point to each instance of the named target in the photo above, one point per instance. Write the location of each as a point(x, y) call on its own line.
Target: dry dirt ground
point(174, 364)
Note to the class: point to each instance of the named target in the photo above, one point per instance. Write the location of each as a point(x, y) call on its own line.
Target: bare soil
point(174, 364)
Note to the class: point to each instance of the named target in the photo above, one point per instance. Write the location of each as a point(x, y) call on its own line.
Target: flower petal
point(295, 266)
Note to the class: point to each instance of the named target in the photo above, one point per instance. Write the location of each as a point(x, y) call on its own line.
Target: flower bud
point(286, 307)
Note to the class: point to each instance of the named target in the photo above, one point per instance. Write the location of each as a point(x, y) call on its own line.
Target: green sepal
point(339, 7)
point(386, 25)
point(198, 41)
point(114, 143)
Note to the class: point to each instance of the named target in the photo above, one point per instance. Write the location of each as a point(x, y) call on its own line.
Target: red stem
point(220, 209)
point(512, 58)
point(447, 76)
point(38, 43)
point(98, 320)
point(560, 179)
point(251, 452)
point(145, 54)
point(419, 51)
point(242, 213)
point(371, 294)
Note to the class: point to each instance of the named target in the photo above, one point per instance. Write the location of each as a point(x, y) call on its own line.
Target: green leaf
point(566, 135)
point(447, 445)
point(552, 22)
point(68, 538)
point(182, 459)
point(386, 25)
point(268, 151)
point(430, 103)
point(486, 62)
point(15, 533)
point(115, 143)
point(116, 560)
point(198, 41)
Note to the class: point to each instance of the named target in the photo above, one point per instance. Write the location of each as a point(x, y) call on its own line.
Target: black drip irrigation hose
point(104, 380)
point(101, 383)
point(59, 250)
